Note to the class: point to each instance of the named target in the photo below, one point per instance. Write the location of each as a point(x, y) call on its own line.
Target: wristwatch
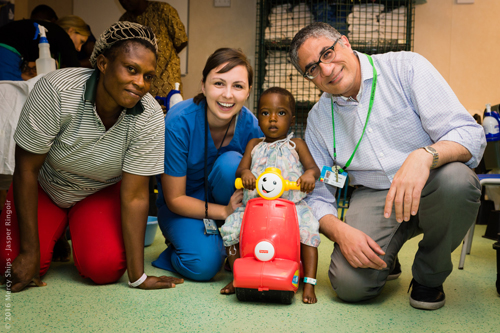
point(435, 155)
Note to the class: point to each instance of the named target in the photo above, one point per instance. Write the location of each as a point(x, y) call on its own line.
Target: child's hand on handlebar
point(248, 179)
point(306, 182)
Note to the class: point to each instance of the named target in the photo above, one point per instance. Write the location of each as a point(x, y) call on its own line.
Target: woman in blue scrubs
point(205, 138)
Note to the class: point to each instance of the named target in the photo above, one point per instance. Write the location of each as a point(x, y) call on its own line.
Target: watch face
point(430, 150)
point(435, 155)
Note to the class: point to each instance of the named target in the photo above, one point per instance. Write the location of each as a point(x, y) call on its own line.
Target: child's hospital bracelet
point(310, 281)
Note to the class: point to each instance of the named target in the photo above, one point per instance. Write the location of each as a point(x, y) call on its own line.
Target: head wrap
point(119, 31)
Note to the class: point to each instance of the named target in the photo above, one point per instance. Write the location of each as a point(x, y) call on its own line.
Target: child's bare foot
point(308, 296)
point(62, 250)
point(228, 290)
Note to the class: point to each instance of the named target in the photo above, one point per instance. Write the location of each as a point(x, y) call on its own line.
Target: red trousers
point(95, 227)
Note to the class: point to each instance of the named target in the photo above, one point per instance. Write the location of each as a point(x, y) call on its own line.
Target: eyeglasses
point(326, 57)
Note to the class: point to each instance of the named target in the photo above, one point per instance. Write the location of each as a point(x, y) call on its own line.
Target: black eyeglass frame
point(310, 77)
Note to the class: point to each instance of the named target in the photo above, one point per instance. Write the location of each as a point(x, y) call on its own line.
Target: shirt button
point(370, 130)
point(381, 155)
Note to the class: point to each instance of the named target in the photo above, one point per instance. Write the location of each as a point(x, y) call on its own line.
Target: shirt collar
point(91, 88)
point(366, 75)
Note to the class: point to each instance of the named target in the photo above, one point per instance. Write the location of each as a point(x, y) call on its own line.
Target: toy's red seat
point(270, 252)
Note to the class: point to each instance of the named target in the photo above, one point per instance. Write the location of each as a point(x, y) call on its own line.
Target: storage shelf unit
point(372, 27)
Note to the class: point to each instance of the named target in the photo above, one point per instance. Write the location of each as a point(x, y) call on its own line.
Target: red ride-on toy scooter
point(269, 265)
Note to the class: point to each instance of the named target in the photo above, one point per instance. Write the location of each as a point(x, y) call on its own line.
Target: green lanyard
point(372, 98)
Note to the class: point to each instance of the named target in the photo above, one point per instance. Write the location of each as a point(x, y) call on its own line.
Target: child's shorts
point(308, 225)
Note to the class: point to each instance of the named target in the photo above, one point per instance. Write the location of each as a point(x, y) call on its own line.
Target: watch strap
point(435, 155)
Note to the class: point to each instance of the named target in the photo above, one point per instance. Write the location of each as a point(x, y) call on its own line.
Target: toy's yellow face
point(270, 185)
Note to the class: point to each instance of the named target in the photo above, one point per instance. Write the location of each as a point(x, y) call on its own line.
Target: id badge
point(210, 227)
point(335, 177)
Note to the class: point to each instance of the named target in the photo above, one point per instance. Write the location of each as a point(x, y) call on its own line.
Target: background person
point(86, 51)
point(433, 190)
point(198, 183)
point(172, 39)
point(19, 51)
point(44, 13)
point(76, 28)
point(87, 141)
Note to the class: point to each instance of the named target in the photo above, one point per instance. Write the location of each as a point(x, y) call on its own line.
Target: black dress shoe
point(396, 270)
point(426, 298)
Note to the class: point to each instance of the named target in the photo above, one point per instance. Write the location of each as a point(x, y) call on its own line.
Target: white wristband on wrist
point(310, 281)
point(138, 282)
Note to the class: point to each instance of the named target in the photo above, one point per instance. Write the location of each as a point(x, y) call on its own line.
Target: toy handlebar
point(291, 186)
point(270, 184)
point(288, 185)
point(238, 183)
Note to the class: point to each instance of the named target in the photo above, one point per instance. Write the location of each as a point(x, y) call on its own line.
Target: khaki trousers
point(448, 207)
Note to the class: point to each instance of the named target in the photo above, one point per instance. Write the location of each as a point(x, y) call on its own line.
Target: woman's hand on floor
point(162, 282)
point(26, 269)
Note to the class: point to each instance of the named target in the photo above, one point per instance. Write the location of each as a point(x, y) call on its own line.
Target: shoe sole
point(393, 276)
point(426, 305)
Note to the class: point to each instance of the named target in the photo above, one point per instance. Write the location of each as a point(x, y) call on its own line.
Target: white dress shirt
point(413, 107)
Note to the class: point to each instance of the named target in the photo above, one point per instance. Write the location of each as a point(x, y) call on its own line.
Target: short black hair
point(44, 12)
point(281, 91)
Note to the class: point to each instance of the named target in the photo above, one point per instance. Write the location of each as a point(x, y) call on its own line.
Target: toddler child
point(276, 111)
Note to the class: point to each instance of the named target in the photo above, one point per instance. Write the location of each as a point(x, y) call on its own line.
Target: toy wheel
point(242, 294)
point(287, 297)
point(275, 296)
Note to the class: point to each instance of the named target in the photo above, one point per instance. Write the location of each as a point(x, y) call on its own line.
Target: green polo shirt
point(59, 118)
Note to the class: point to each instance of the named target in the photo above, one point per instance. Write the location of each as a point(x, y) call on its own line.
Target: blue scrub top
point(185, 145)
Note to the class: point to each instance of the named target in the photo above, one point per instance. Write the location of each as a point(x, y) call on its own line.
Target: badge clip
point(210, 227)
point(335, 176)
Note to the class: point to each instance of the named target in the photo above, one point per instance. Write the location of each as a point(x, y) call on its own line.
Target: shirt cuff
point(469, 139)
point(324, 209)
point(320, 207)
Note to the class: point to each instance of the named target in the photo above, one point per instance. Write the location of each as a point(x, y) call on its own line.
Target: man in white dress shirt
point(395, 126)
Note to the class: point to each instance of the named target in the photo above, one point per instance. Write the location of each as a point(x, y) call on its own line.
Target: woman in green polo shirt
point(87, 142)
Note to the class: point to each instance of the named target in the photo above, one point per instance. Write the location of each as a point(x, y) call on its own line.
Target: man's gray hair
point(316, 30)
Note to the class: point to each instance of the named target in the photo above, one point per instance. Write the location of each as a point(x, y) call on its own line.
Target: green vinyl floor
point(71, 304)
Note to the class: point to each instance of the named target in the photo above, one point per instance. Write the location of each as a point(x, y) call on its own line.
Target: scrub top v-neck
point(185, 144)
